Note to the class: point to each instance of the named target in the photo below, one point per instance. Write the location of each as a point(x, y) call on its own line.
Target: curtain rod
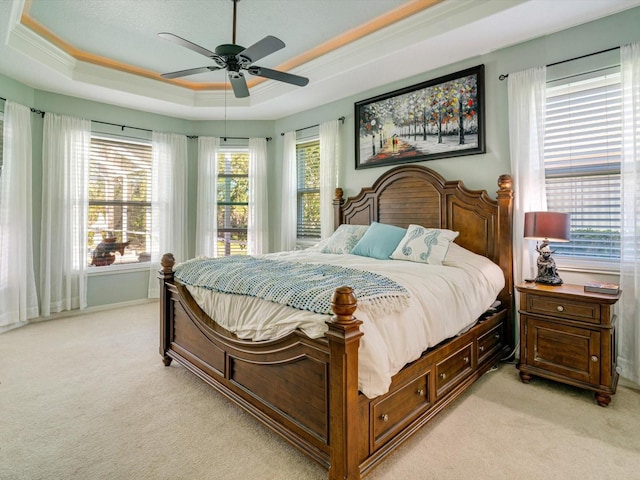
point(341, 119)
point(122, 127)
point(506, 75)
point(224, 139)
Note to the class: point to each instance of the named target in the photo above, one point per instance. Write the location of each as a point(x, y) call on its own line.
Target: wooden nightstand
point(568, 335)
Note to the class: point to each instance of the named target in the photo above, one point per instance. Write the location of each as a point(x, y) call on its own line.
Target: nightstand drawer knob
point(420, 392)
point(443, 375)
point(384, 417)
point(465, 360)
point(560, 308)
point(594, 358)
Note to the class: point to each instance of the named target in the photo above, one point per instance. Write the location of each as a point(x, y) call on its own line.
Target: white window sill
point(569, 264)
point(118, 269)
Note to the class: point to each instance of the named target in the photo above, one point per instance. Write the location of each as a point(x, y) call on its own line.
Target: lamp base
point(549, 280)
point(547, 272)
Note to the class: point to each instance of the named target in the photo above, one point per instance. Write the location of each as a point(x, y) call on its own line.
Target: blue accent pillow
point(379, 241)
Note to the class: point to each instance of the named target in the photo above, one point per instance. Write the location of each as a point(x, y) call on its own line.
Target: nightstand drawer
point(563, 308)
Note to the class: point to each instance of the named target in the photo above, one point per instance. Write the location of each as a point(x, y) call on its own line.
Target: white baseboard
point(97, 308)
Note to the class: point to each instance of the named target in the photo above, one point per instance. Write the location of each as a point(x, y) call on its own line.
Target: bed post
point(165, 275)
point(505, 247)
point(338, 201)
point(344, 339)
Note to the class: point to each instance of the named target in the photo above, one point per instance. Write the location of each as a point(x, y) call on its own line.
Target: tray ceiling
point(109, 51)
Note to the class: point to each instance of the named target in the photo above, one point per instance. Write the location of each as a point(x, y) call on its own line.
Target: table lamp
point(547, 227)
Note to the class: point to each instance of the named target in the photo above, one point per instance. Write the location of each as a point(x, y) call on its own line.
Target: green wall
point(477, 171)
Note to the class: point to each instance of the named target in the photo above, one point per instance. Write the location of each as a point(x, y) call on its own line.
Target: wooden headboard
point(415, 194)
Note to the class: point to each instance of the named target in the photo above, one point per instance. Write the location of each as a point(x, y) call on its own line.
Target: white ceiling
point(122, 35)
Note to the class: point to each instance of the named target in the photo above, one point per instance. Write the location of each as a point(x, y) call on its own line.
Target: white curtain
point(629, 305)
point(65, 204)
point(527, 105)
point(258, 234)
point(329, 162)
point(288, 216)
point(207, 214)
point(168, 202)
point(18, 295)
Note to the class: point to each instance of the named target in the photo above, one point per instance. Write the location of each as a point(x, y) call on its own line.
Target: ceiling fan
point(235, 58)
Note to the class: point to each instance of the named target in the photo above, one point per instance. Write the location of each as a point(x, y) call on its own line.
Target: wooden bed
point(307, 390)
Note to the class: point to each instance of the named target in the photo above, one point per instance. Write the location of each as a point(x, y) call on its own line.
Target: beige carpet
point(87, 398)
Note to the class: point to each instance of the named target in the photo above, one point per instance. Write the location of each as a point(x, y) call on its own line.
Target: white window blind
point(233, 201)
point(308, 189)
point(582, 162)
point(119, 221)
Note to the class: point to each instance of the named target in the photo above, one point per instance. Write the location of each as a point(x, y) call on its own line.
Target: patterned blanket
point(303, 286)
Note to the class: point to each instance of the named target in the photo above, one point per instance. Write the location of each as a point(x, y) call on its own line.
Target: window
point(582, 153)
point(119, 221)
point(233, 201)
point(308, 189)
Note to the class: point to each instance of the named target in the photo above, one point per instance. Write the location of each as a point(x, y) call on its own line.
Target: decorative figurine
point(104, 254)
point(547, 272)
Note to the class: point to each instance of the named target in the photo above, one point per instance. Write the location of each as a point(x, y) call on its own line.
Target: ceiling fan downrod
point(233, 36)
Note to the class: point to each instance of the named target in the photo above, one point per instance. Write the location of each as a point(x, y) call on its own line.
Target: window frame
point(307, 239)
point(131, 265)
point(567, 262)
point(231, 230)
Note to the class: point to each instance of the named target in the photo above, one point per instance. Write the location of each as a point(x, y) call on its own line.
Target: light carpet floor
point(88, 398)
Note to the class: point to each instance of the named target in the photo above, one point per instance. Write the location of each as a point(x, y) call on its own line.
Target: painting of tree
point(439, 118)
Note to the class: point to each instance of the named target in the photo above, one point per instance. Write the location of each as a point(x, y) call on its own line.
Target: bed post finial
point(338, 201)
point(167, 262)
point(505, 182)
point(343, 304)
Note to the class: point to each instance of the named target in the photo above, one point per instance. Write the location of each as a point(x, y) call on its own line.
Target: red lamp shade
point(550, 226)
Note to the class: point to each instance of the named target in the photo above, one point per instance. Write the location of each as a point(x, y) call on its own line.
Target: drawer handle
point(481, 348)
point(594, 358)
point(465, 360)
point(497, 336)
point(560, 308)
point(443, 375)
point(384, 417)
point(420, 392)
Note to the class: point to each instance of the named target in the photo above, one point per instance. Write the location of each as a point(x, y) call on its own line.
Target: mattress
point(444, 300)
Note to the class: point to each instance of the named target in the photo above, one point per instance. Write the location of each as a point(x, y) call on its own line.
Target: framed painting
point(438, 118)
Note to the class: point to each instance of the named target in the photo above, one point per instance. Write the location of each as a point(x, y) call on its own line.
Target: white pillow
point(425, 245)
point(343, 239)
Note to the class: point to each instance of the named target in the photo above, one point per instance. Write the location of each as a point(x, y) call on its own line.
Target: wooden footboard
point(307, 390)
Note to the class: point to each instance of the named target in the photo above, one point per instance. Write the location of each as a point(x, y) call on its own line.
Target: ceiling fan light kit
point(235, 58)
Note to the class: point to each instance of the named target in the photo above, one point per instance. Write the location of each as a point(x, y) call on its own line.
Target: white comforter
point(445, 300)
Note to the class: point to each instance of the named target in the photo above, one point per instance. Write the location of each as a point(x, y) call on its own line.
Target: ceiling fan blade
point(277, 75)
point(186, 43)
point(239, 84)
point(261, 49)
point(190, 71)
